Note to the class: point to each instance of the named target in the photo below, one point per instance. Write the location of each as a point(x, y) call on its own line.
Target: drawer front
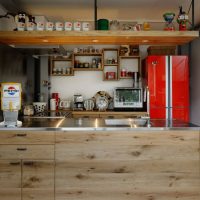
point(26, 137)
point(44, 152)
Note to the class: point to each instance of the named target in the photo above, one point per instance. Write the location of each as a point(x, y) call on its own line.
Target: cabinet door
point(38, 180)
point(10, 180)
point(125, 165)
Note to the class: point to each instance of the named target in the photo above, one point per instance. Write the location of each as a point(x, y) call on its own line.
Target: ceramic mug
point(85, 26)
point(77, 26)
point(65, 104)
point(40, 26)
point(68, 26)
point(53, 103)
point(30, 26)
point(49, 26)
point(59, 26)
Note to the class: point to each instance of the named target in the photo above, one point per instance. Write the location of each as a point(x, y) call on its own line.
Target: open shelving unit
point(62, 64)
point(131, 64)
point(81, 58)
point(110, 64)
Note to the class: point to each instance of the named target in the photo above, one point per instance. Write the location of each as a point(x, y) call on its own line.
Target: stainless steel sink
point(126, 122)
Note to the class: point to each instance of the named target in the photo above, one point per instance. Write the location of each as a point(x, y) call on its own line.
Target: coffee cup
point(68, 26)
point(53, 103)
point(40, 26)
point(49, 26)
point(59, 26)
point(65, 104)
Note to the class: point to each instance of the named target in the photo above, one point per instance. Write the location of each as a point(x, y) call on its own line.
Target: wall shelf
point(88, 69)
point(97, 37)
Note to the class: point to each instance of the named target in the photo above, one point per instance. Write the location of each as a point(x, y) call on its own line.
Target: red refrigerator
point(168, 83)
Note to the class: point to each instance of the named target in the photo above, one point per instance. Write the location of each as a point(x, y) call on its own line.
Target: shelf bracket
point(95, 14)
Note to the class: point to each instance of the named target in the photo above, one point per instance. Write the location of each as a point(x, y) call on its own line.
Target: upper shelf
point(97, 37)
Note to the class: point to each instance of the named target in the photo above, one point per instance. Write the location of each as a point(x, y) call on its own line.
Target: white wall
point(86, 83)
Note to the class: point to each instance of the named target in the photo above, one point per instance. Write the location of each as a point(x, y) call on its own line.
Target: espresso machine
point(10, 104)
point(78, 102)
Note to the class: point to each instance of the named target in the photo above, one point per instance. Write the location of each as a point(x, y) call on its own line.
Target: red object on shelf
point(183, 27)
point(110, 75)
point(123, 73)
point(56, 97)
point(168, 82)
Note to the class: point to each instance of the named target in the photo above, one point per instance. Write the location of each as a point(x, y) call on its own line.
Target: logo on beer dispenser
point(11, 90)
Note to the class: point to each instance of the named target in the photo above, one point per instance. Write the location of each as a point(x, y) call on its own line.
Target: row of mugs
point(50, 26)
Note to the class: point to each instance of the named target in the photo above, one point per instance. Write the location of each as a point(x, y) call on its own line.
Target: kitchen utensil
point(110, 75)
point(68, 26)
point(102, 103)
point(55, 95)
point(102, 99)
point(65, 104)
point(85, 26)
point(103, 24)
point(28, 110)
point(53, 104)
point(59, 26)
point(89, 104)
point(114, 25)
point(39, 106)
point(77, 26)
point(40, 26)
point(49, 26)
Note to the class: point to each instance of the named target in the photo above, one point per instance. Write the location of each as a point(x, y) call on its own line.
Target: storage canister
point(103, 24)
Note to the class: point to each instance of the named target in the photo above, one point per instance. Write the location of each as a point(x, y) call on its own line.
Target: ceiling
point(110, 9)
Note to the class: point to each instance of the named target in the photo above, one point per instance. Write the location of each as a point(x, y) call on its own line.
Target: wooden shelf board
point(62, 74)
point(87, 54)
point(97, 37)
point(110, 49)
point(88, 69)
point(129, 57)
point(116, 64)
point(128, 77)
point(61, 59)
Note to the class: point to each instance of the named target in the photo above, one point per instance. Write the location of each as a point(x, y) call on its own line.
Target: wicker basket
point(161, 50)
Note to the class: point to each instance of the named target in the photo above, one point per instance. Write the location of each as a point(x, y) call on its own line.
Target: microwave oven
point(128, 98)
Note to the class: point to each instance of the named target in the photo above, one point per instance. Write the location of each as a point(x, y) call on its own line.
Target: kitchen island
point(95, 159)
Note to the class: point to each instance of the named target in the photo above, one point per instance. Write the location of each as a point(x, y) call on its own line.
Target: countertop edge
point(100, 129)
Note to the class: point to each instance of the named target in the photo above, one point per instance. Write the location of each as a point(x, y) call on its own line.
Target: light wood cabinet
point(27, 165)
point(26, 137)
point(27, 152)
point(127, 166)
point(99, 165)
point(38, 180)
point(10, 179)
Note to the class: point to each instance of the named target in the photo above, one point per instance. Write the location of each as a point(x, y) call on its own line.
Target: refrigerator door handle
point(148, 102)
